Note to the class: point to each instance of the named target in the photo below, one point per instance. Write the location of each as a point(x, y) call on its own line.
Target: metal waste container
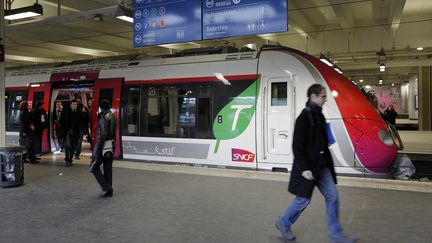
point(11, 166)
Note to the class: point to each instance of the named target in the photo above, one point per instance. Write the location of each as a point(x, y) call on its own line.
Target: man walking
point(313, 166)
point(103, 151)
point(56, 124)
point(38, 119)
point(70, 122)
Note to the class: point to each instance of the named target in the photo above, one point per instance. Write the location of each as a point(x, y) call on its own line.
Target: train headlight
point(385, 137)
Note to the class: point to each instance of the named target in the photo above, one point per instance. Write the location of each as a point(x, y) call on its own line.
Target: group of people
point(69, 126)
point(32, 125)
point(389, 115)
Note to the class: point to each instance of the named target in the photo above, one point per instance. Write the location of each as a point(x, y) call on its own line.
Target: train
point(212, 108)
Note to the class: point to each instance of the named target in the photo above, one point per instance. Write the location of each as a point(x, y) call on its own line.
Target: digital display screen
point(229, 18)
point(166, 21)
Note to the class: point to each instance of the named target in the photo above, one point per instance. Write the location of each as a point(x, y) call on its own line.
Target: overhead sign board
point(229, 18)
point(166, 21)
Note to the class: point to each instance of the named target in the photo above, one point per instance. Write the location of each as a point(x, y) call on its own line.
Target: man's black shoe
point(108, 193)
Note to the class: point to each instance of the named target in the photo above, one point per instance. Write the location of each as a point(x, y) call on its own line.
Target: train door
point(278, 121)
point(41, 92)
point(109, 89)
point(63, 92)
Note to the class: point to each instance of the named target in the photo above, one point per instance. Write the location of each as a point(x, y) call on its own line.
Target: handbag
point(107, 147)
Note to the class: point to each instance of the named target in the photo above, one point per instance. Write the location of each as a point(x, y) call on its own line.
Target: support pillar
point(425, 99)
point(2, 78)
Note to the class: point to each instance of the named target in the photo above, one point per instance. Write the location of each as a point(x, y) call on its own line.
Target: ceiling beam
point(110, 11)
point(345, 19)
point(300, 23)
point(396, 9)
point(34, 59)
point(79, 50)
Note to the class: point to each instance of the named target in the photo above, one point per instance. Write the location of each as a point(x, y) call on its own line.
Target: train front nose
point(373, 144)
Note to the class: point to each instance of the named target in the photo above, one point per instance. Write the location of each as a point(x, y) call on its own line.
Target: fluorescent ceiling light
point(419, 48)
point(368, 87)
point(25, 12)
point(325, 60)
point(222, 78)
point(124, 13)
point(382, 68)
point(361, 80)
point(125, 18)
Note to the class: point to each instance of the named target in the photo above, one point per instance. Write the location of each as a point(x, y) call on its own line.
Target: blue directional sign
point(228, 18)
point(166, 21)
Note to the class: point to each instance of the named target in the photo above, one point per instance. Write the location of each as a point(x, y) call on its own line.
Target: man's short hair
point(105, 104)
point(315, 89)
point(73, 101)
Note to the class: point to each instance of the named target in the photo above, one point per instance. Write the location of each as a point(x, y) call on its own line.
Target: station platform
point(418, 147)
point(171, 203)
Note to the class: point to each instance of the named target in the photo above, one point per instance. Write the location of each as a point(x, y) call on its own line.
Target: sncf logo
point(241, 155)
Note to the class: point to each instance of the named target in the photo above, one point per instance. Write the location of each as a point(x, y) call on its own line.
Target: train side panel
point(233, 87)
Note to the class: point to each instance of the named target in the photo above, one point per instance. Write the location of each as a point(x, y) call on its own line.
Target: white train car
point(227, 110)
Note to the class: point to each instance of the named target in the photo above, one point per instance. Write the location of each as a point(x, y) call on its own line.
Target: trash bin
point(11, 166)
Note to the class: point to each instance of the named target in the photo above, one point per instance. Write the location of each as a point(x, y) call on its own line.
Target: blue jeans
point(328, 189)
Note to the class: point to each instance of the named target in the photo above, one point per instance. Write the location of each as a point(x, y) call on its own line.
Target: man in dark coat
point(56, 125)
point(390, 115)
point(313, 166)
point(39, 120)
point(84, 117)
point(103, 151)
point(26, 137)
point(70, 122)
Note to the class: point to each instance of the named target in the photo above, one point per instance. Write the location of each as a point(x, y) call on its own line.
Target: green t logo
point(237, 113)
point(236, 116)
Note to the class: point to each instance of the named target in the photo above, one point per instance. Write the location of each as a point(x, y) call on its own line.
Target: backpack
point(109, 144)
point(402, 168)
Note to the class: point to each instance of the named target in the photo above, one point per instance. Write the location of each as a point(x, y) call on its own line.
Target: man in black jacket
point(103, 151)
point(70, 122)
point(313, 166)
point(26, 135)
point(39, 120)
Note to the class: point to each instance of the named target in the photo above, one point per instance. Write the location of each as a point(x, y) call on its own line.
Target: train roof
point(198, 55)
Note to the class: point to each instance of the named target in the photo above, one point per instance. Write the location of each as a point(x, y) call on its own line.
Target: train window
point(181, 111)
point(279, 94)
point(184, 110)
point(13, 112)
point(132, 111)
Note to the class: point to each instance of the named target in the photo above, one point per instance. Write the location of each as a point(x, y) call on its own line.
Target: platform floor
point(416, 141)
point(182, 204)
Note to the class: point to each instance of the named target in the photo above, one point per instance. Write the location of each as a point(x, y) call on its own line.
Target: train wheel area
point(162, 203)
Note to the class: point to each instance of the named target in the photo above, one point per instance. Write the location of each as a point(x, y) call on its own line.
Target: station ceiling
point(349, 32)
